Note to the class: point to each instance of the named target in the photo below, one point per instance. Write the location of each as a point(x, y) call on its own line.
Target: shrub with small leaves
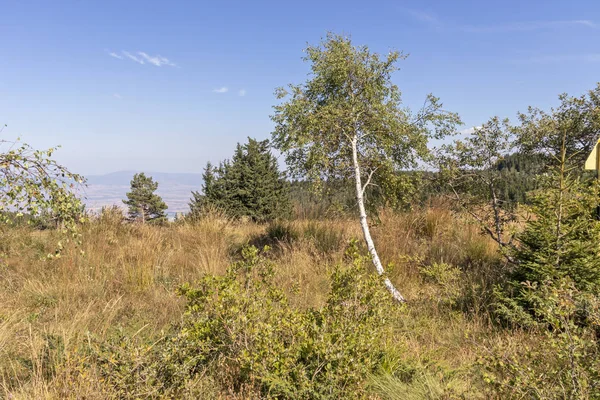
point(33, 184)
point(563, 362)
point(447, 278)
point(239, 330)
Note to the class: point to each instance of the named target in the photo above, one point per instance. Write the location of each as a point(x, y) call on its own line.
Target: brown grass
point(123, 279)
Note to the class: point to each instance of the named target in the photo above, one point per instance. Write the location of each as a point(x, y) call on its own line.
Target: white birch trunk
point(365, 226)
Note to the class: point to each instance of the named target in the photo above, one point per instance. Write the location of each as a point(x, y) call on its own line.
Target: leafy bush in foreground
point(564, 362)
point(239, 330)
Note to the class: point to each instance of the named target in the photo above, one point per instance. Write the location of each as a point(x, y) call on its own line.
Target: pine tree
point(144, 205)
point(211, 195)
point(563, 241)
point(250, 185)
point(561, 244)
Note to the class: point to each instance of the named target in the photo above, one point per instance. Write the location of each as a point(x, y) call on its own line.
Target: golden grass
point(124, 277)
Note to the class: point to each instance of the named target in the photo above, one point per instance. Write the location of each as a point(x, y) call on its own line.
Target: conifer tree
point(210, 196)
point(145, 205)
point(561, 244)
point(564, 238)
point(250, 185)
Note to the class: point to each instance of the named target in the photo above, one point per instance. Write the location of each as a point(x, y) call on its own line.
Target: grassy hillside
point(55, 314)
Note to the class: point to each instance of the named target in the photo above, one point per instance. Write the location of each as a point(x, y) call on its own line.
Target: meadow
point(122, 280)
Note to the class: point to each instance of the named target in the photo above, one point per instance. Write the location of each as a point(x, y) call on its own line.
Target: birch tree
point(469, 168)
point(346, 122)
point(573, 127)
point(34, 185)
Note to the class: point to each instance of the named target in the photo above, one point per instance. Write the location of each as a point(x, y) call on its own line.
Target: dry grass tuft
point(123, 280)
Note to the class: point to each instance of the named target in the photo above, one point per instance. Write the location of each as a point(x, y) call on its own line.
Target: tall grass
point(123, 278)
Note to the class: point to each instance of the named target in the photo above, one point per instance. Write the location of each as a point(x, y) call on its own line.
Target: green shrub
point(240, 333)
point(447, 278)
point(563, 362)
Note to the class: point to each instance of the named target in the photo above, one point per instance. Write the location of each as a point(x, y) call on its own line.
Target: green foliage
point(35, 185)
point(350, 98)
point(145, 205)
point(240, 329)
point(519, 177)
point(564, 361)
point(562, 241)
point(578, 118)
point(248, 186)
point(470, 168)
point(447, 277)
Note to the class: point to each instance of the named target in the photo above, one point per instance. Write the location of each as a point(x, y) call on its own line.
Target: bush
point(563, 362)
point(239, 330)
point(447, 278)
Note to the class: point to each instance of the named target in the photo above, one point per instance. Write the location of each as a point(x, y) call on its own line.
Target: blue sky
point(167, 86)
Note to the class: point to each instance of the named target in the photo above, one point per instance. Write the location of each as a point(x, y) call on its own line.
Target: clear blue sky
point(134, 110)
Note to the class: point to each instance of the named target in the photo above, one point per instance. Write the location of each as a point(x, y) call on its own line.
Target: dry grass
point(125, 281)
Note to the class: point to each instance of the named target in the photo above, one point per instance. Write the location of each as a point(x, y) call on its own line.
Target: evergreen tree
point(144, 205)
point(561, 244)
point(250, 185)
point(210, 195)
point(563, 241)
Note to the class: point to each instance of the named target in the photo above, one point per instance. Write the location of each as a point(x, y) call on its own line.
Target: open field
point(124, 283)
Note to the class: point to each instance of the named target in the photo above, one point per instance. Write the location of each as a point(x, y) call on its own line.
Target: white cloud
point(132, 57)
point(141, 57)
point(469, 131)
point(158, 60)
point(242, 92)
point(523, 26)
point(221, 90)
point(117, 96)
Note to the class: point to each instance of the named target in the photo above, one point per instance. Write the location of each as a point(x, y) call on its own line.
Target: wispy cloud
point(223, 89)
point(433, 20)
point(528, 26)
point(142, 58)
point(469, 131)
point(423, 16)
point(133, 58)
point(158, 60)
point(242, 92)
point(117, 96)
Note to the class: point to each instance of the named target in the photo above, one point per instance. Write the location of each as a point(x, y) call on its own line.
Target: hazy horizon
point(111, 188)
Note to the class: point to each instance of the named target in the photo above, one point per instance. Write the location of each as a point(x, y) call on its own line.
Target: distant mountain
point(121, 178)
point(110, 189)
